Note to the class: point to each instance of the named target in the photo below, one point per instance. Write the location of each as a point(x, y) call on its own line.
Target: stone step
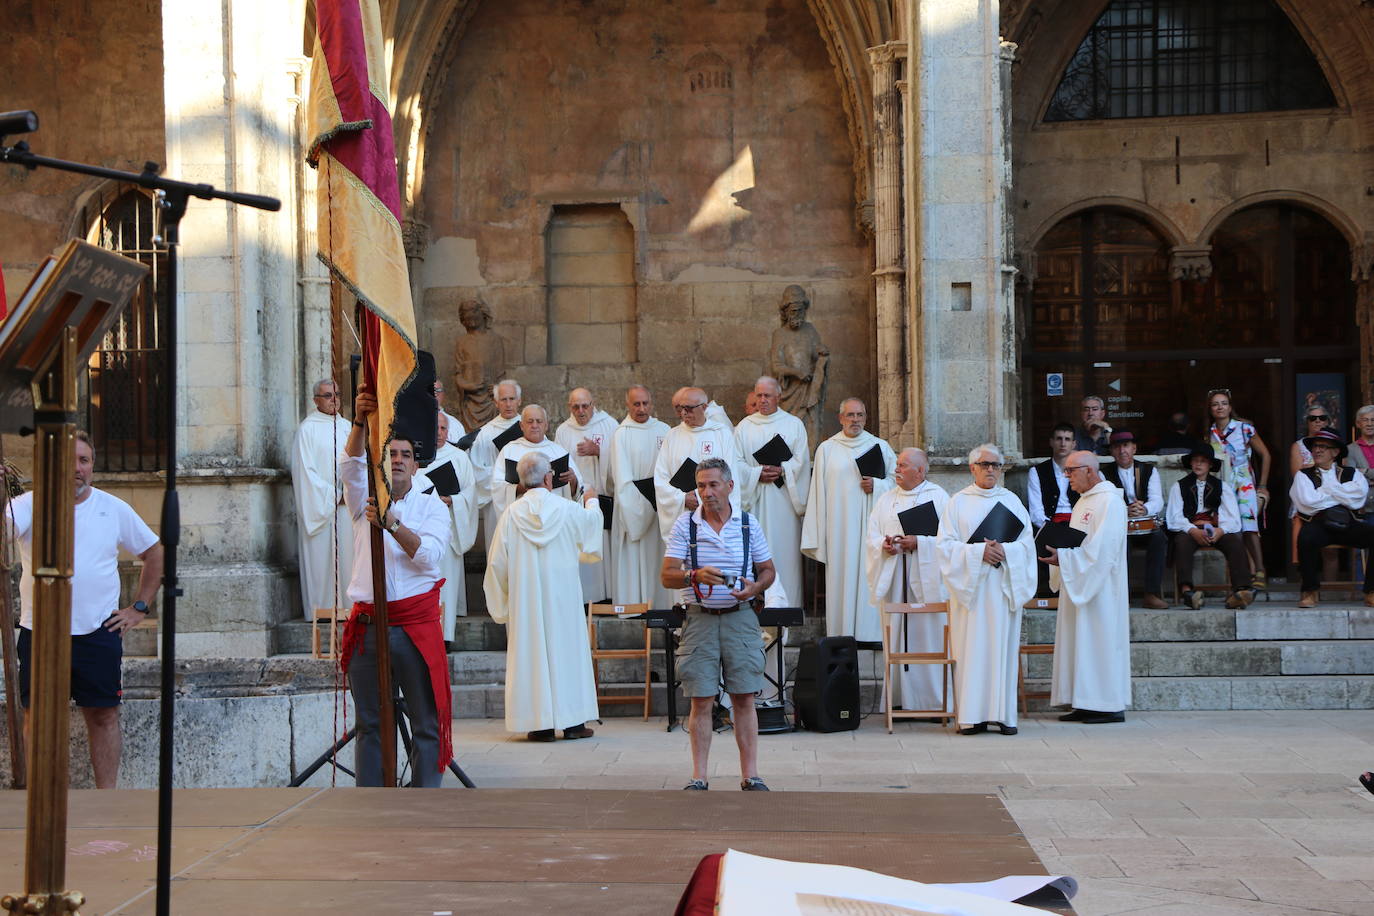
point(1347, 691)
point(1239, 659)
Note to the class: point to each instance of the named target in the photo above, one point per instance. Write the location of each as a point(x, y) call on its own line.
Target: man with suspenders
point(711, 557)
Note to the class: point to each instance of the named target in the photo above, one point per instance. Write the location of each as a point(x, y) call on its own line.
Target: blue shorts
point(97, 660)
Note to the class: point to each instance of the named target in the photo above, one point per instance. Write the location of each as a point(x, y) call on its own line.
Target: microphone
point(17, 122)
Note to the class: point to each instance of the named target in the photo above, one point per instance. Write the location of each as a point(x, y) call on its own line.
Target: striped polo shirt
point(725, 551)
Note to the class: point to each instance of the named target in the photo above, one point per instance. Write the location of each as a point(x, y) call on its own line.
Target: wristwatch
point(141, 607)
point(395, 523)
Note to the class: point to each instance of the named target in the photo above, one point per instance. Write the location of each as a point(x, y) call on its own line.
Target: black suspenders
point(692, 544)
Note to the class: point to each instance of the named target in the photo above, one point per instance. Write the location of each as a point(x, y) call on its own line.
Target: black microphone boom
point(17, 122)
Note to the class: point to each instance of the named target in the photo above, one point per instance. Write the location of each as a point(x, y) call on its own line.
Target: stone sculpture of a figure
point(798, 361)
point(479, 363)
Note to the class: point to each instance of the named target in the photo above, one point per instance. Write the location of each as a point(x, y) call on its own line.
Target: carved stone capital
point(415, 238)
point(1006, 50)
point(887, 53)
point(1190, 263)
point(1362, 260)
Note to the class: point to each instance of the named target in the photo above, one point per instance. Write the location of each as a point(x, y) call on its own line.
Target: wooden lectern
point(68, 307)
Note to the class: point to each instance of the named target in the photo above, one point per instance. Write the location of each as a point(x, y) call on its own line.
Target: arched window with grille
point(124, 409)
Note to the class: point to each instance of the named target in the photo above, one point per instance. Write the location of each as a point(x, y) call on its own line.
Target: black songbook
point(512, 476)
point(465, 443)
point(444, 478)
point(1061, 536)
point(560, 467)
point(512, 433)
point(686, 477)
point(646, 489)
point(871, 463)
point(1000, 525)
point(920, 520)
point(607, 507)
point(774, 452)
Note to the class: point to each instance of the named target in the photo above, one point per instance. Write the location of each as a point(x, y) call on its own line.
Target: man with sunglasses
point(695, 439)
point(324, 532)
point(1092, 638)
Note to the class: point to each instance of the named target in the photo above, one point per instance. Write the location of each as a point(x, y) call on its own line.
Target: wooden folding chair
point(1330, 561)
point(1022, 694)
point(335, 617)
point(598, 654)
point(892, 657)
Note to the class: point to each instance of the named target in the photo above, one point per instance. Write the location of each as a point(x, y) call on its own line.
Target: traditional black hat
point(1329, 437)
point(1201, 451)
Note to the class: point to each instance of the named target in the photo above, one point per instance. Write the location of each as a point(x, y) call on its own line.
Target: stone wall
point(716, 127)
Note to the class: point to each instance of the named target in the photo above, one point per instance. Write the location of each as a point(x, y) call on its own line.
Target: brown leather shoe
point(1369, 599)
point(1308, 599)
point(1154, 603)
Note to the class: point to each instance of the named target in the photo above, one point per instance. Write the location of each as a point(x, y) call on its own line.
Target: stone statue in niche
point(798, 361)
point(479, 359)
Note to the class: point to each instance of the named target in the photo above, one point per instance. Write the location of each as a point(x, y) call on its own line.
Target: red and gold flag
point(360, 199)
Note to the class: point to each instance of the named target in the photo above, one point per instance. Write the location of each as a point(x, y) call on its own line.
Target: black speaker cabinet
point(825, 691)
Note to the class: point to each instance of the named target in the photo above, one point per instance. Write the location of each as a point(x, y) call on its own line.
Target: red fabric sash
point(419, 615)
point(1062, 516)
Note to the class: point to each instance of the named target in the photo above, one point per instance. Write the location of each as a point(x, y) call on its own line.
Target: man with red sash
point(416, 535)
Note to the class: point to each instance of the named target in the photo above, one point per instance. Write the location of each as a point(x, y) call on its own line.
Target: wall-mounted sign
point(1054, 384)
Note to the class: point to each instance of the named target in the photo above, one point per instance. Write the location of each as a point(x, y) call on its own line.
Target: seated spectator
point(1326, 497)
point(1202, 512)
point(1314, 421)
point(1361, 457)
point(1177, 441)
point(1140, 488)
point(1093, 436)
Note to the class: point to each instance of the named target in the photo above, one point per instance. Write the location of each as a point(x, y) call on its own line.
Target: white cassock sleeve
point(816, 521)
point(1086, 569)
point(464, 508)
point(589, 522)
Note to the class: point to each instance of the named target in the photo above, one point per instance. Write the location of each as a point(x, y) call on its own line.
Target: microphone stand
point(173, 197)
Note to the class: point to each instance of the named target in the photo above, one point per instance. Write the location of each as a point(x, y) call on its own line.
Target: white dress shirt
point(1228, 516)
point(423, 513)
point(1308, 499)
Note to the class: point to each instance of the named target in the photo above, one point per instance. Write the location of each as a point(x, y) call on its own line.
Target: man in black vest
point(1326, 496)
point(1202, 512)
point(1049, 498)
point(1140, 488)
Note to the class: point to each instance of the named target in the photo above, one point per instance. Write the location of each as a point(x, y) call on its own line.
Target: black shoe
point(1006, 729)
point(1075, 716)
point(544, 734)
point(974, 729)
point(1103, 718)
point(449, 647)
point(577, 731)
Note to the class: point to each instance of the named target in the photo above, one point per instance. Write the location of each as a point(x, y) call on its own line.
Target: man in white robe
point(462, 510)
point(988, 583)
point(586, 435)
point(776, 493)
point(324, 530)
point(837, 511)
point(1092, 636)
point(637, 547)
point(533, 556)
point(534, 426)
point(507, 395)
point(905, 569)
point(697, 437)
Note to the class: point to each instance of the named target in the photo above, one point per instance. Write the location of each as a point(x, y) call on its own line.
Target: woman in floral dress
point(1238, 445)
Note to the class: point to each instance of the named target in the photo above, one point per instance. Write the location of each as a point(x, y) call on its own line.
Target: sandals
point(1367, 780)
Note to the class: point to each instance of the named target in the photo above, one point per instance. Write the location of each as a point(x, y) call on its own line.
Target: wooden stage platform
point(522, 851)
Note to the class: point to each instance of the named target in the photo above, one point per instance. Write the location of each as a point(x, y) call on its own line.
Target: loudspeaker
point(825, 691)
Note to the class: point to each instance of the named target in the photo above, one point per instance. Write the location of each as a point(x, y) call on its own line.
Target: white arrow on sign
point(1115, 384)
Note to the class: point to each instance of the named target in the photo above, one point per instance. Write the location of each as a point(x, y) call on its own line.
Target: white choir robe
point(462, 513)
point(534, 554)
point(483, 456)
point(833, 532)
point(456, 430)
point(321, 517)
point(711, 439)
point(595, 471)
point(637, 547)
point(1092, 636)
point(918, 686)
point(503, 493)
point(778, 509)
point(985, 605)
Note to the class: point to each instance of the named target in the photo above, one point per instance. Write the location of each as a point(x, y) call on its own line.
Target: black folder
point(607, 507)
point(1000, 524)
point(512, 433)
point(920, 520)
point(465, 443)
point(646, 489)
point(774, 452)
point(871, 463)
point(560, 467)
point(1059, 535)
point(444, 478)
point(512, 476)
point(686, 477)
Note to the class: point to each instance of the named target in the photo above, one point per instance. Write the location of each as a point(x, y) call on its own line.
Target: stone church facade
point(976, 196)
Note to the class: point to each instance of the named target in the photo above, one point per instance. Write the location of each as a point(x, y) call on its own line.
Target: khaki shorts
point(713, 646)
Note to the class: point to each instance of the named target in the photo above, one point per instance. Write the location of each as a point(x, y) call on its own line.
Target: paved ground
point(1194, 814)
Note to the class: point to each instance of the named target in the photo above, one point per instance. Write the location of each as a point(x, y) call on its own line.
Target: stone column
point(963, 385)
point(1362, 272)
point(231, 95)
point(889, 274)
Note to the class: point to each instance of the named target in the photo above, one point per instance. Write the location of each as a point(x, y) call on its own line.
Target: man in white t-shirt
point(105, 525)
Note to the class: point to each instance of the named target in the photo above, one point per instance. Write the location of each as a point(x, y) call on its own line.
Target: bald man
point(635, 542)
point(696, 438)
point(586, 435)
point(534, 426)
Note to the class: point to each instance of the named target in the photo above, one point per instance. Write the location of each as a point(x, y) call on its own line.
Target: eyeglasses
point(687, 408)
point(988, 465)
point(1076, 467)
point(1225, 391)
